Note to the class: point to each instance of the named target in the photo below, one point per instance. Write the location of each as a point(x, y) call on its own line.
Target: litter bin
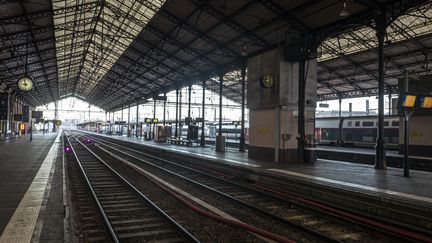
point(310, 151)
point(220, 143)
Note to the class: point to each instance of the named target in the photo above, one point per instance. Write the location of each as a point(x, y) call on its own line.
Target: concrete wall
point(274, 111)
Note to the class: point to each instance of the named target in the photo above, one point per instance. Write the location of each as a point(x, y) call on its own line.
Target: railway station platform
point(348, 176)
point(367, 156)
point(31, 189)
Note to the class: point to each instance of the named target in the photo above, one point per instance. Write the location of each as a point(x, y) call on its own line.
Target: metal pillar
point(350, 109)
point(242, 124)
point(128, 127)
point(380, 156)
point(180, 114)
point(56, 115)
point(154, 117)
point(137, 119)
point(176, 115)
point(390, 103)
point(340, 107)
point(203, 114)
point(8, 116)
point(31, 126)
point(406, 116)
point(189, 99)
point(220, 103)
point(164, 109)
point(301, 110)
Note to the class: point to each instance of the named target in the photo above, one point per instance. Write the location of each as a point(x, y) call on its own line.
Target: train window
point(357, 123)
point(350, 123)
point(368, 123)
point(395, 123)
point(386, 123)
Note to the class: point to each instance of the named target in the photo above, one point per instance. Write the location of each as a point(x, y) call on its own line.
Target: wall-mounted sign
point(37, 114)
point(426, 102)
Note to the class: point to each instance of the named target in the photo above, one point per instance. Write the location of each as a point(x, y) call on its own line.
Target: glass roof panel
point(411, 25)
point(90, 39)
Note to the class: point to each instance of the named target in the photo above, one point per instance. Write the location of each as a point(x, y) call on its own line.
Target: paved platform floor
point(341, 174)
point(25, 170)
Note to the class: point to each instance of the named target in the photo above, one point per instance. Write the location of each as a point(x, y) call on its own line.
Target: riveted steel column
point(380, 155)
point(154, 117)
point(164, 109)
point(389, 102)
point(220, 103)
point(189, 100)
point(301, 110)
point(137, 119)
point(176, 116)
point(180, 114)
point(128, 127)
point(203, 114)
point(243, 94)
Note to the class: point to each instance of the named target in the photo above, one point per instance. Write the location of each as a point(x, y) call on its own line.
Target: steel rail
point(181, 229)
point(265, 193)
point(108, 225)
point(297, 226)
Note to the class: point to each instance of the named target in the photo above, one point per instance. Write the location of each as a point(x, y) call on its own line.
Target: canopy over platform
point(111, 53)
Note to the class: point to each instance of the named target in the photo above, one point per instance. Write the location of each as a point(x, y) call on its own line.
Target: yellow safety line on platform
point(357, 186)
point(22, 224)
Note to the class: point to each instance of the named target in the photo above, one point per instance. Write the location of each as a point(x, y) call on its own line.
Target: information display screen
point(426, 102)
point(148, 120)
point(408, 101)
point(155, 120)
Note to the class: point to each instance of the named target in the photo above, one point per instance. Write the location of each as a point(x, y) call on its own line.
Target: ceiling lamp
point(344, 11)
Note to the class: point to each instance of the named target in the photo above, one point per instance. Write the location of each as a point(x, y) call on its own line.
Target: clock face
point(267, 81)
point(25, 84)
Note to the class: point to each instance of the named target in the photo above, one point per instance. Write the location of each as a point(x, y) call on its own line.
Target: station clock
point(267, 81)
point(25, 84)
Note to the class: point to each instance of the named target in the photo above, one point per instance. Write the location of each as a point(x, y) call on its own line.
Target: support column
point(56, 116)
point(220, 103)
point(301, 110)
point(128, 127)
point(242, 124)
point(137, 119)
point(203, 114)
point(189, 99)
point(8, 115)
point(340, 107)
point(154, 117)
point(380, 155)
point(220, 140)
point(164, 109)
point(176, 114)
point(180, 114)
point(390, 103)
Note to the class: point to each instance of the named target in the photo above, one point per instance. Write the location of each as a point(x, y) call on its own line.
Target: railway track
point(322, 226)
point(325, 226)
point(129, 216)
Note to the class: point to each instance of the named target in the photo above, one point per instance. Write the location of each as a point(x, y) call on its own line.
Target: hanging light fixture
point(344, 11)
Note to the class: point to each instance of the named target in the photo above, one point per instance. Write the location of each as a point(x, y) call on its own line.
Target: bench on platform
point(179, 141)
